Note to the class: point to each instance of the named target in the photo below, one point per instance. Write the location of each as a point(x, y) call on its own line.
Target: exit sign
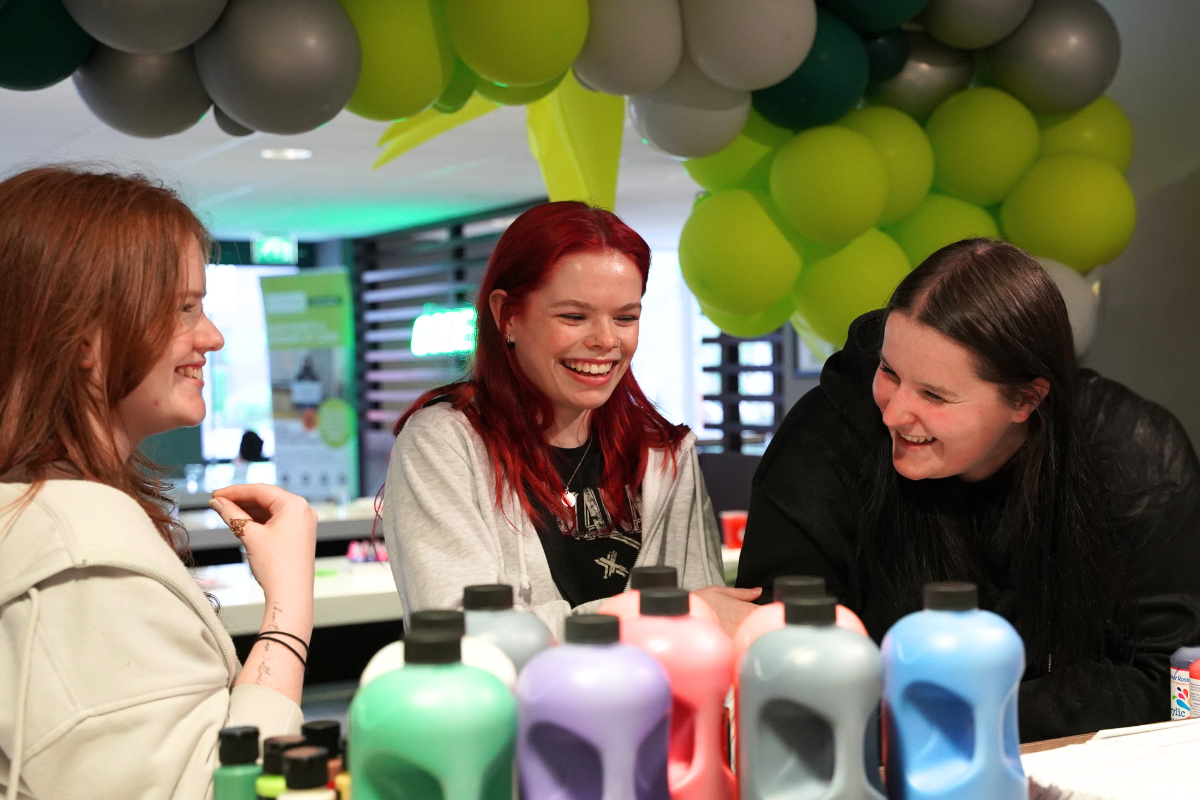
point(440, 333)
point(275, 250)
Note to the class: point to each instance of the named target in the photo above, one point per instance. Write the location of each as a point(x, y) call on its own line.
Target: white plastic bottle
point(475, 652)
point(491, 617)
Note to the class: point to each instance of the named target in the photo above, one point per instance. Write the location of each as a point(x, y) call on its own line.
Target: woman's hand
point(732, 605)
point(281, 539)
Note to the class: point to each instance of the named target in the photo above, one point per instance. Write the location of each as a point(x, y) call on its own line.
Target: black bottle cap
point(425, 646)
point(593, 629)
point(325, 733)
point(306, 767)
point(438, 620)
point(798, 586)
point(488, 597)
point(238, 745)
point(273, 752)
point(810, 611)
point(651, 577)
point(664, 602)
point(951, 596)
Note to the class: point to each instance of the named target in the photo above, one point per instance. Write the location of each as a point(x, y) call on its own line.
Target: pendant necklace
point(568, 497)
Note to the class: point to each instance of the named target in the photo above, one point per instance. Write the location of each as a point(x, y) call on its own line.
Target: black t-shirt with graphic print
point(594, 560)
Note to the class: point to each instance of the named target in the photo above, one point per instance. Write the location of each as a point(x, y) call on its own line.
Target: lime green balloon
point(940, 220)
point(518, 42)
point(906, 154)
point(516, 95)
point(744, 164)
point(733, 257)
point(458, 92)
point(407, 59)
point(829, 183)
point(1075, 209)
point(860, 277)
point(983, 141)
point(749, 326)
point(1099, 129)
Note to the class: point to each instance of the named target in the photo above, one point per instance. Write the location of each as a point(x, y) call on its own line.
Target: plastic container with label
point(492, 618)
point(475, 652)
point(626, 604)
point(237, 748)
point(1181, 682)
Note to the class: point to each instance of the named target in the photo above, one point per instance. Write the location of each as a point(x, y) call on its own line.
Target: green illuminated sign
point(438, 333)
point(274, 250)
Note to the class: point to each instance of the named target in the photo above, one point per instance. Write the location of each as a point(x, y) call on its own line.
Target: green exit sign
point(440, 333)
point(274, 250)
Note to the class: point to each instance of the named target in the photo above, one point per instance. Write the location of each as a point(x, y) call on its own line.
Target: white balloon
point(691, 115)
point(632, 47)
point(749, 44)
point(1083, 304)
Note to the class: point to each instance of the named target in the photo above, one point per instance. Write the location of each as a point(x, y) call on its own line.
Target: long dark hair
point(1054, 523)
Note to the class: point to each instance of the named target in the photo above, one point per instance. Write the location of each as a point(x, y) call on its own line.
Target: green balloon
point(518, 42)
point(1072, 208)
point(1099, 129)
point(744, 164)
point(983, 141)
point(858, 278)
point(458, 91)
point(516, 95)
point(940, 220)
point(906, 154)
point(733, 257)
point(40, 44)
point(875, 16)
point(750, 326)
point(830, 184)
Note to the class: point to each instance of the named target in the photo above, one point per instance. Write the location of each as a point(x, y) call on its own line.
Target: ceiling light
point(286, 153)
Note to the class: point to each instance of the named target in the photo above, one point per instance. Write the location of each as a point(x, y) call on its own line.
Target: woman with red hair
point(547, 468)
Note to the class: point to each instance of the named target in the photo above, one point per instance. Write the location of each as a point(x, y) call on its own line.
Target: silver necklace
point(568, 496)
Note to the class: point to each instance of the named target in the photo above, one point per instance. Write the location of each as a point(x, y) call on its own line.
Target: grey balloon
point(146, 26)
point(281, 66)
point(1062, 57)
point(632, 47)
point(230, 125)
point(143, 95)
point(933, 72)
point(691, 115)
point(972, 24)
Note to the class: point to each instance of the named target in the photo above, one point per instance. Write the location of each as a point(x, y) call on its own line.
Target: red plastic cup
point(733, 525)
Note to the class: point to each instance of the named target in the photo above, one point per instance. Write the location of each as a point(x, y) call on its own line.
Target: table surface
point(352, 520)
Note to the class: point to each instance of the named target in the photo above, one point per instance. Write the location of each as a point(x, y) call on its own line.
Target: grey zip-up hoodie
point(444, 529)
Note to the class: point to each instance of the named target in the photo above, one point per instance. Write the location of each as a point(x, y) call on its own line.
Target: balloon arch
point(839, 142)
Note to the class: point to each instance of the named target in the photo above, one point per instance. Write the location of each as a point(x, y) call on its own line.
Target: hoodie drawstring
point(14, 769)
point(525, 586)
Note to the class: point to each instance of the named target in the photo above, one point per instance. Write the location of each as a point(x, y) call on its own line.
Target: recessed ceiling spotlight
point(286, 153)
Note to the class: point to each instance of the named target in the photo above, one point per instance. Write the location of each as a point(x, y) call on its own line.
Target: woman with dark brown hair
point(115, 672)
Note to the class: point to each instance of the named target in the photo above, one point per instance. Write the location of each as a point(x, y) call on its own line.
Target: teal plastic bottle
point(951, 676)
point(435, 730)
point(237, 748)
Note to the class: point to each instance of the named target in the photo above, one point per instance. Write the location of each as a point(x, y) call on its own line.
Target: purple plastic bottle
point(594, 718)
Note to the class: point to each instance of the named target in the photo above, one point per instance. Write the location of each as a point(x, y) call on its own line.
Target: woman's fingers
point(268, 500)
point(748, 595)
point(233, 515)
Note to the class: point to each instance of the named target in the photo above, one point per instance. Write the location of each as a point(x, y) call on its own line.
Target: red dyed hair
point(508, 411)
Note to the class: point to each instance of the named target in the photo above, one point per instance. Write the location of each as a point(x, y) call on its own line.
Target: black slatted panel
point(730, 398)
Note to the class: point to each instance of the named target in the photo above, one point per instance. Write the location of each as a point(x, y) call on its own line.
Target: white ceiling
point(486, 163)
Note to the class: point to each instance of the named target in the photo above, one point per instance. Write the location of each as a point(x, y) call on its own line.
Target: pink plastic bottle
point(770, 616)
point(625, 605)
point(698, 658)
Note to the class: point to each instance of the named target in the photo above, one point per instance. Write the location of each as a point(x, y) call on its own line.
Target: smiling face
point(943, 418)
point(170, 395)
point(574, 337)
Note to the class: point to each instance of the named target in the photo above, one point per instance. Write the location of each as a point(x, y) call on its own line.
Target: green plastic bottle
point(271, 783)
point(238, 750)
point(434, 730)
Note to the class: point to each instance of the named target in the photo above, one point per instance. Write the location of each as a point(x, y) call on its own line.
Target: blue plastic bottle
point(1181, 661)
point(950, 681)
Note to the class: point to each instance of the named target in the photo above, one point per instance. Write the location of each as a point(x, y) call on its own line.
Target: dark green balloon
point(875, 16)
point(40, 44)
point(886, 53)
point(829, 83)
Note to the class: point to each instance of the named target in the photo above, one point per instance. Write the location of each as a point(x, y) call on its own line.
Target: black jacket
point(806, 504)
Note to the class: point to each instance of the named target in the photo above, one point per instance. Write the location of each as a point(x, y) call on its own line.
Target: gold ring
point(238, 526)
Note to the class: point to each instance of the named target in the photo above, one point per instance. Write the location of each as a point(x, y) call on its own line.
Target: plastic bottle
point(305, 770)
point(325, 733)
point(594, 717)
point(237, 749)
point(435, 729)
point(271, 783)
point(808, 709)
point(475, 651)
point(951, 675)
point(1181, 693)
point(698, 658)
point(770, 616)
point(342, 781)
point(625, 605)
point(491, 618)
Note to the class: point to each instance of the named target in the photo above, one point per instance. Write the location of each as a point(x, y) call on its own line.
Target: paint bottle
point(1181, 662)
point(770, 616)
point(271, 783)
point(492, 618)
point(625, 605)
point(595, 718)
point(951, 678)
point(325, 733)
point(435, 729)
point(305, 770)
point(237, 749)
point(698, 658)
point(475, 652)
point(342, 781)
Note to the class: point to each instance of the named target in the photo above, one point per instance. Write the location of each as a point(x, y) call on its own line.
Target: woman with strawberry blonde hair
point(115, 672)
